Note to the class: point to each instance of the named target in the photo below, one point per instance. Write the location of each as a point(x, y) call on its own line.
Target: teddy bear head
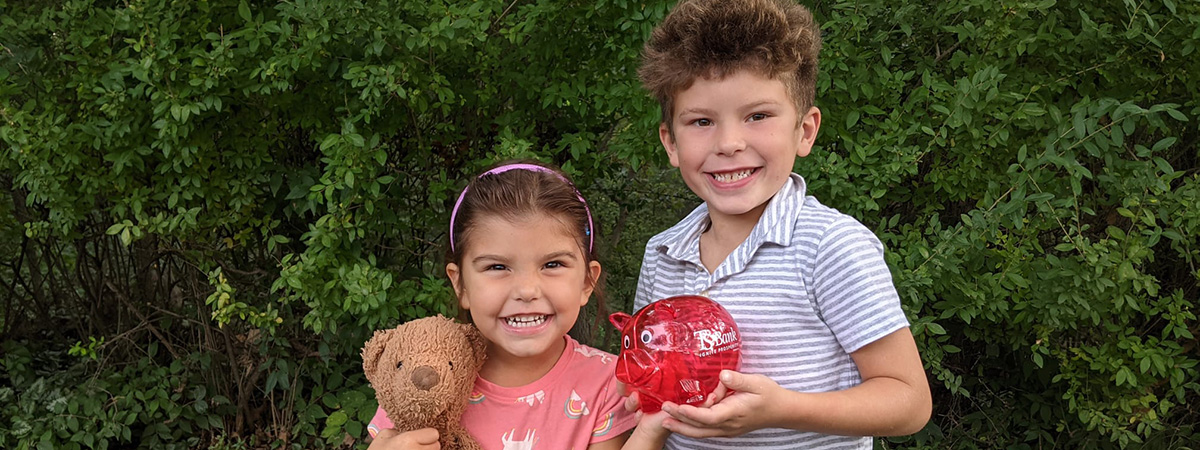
point(423, 370)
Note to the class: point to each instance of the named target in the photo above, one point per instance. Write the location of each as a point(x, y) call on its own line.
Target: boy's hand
point(745, 410)
point(421, 439)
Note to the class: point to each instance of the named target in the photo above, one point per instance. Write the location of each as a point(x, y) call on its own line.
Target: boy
point(827, 356)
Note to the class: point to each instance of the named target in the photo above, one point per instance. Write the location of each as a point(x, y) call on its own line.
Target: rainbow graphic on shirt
point(575, 406)
point(604, 426)
point(476, 398)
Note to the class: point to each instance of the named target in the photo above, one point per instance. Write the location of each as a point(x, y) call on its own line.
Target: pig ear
point(619, 320)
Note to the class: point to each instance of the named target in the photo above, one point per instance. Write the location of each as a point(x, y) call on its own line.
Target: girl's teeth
point(524, 321)
point(730, 177)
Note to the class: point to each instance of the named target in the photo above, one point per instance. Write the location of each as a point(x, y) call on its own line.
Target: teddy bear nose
point(425, 377)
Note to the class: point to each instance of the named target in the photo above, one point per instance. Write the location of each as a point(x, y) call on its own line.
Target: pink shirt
point(572, 406)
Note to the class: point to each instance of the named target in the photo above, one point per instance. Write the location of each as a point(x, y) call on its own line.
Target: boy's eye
point(703, 122)
point(757, 116)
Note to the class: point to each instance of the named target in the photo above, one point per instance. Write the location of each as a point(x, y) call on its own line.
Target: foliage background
point(211, 204)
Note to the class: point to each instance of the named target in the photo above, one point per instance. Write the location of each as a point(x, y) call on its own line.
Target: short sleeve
point(379, 422)
point(853, 287)
point(613, 419)
point(645, 277)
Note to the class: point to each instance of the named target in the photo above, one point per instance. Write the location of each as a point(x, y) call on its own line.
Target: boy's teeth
point(729, 177)
point(525, 321)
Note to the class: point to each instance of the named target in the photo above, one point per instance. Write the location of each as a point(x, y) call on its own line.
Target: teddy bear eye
point(400, 365)
point(451, 365)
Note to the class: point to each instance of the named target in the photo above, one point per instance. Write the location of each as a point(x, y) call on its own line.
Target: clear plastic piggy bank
point(674, 350)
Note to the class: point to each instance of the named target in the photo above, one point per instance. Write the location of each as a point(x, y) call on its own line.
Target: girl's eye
point(554, 264)
point(495, 267)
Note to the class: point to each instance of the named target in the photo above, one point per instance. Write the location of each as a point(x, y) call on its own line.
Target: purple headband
point(531, 168)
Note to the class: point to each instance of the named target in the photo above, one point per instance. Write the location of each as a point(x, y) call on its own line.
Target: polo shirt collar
point(682, 241)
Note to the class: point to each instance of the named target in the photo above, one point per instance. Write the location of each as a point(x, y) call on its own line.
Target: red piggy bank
point(674, 350)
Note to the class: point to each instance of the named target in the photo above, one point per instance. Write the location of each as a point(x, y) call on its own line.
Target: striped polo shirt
point(808, 287)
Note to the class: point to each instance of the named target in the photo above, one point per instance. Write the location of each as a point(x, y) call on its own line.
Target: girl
point(522, 263)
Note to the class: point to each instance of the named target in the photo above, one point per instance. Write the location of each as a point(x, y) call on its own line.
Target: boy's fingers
point(676, 426)
point(716, 396)
point(737, 381)
point(699, 417)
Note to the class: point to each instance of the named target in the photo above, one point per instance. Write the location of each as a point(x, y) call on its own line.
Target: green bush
point(213, 204)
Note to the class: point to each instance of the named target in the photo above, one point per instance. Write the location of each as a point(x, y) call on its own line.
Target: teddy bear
point(422, 372)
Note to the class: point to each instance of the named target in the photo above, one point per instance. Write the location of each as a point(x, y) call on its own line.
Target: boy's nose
point(730, 140)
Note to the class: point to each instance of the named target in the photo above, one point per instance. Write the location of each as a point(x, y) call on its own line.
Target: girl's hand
point(650, 427)
point(632, 404)
point(421, 439)
point(747, 409)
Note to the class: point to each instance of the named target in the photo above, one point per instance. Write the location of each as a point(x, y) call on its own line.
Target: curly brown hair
point(715, 38)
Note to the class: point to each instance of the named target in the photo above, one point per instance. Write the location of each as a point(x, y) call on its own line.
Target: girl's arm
point(893, 399)
point(648, 435)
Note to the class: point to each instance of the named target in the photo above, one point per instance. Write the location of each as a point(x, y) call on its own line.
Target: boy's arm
point(852, 286)
point(893, 399)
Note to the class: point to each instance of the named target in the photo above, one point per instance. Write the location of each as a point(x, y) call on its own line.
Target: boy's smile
point(736, 140)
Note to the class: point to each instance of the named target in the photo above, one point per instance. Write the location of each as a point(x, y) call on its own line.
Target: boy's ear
point(668, 142)
point(806, 131)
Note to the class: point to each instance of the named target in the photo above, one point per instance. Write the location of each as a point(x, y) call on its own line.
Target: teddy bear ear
point(478, 343)
point(373, 350)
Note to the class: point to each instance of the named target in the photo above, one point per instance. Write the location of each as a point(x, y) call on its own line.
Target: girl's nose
point(527, 288)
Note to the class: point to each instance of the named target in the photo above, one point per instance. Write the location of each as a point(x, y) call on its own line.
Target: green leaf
point(851, 118)
point(1080, 125)
point(337, 419)
point(244, 11)
point(934, 328)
